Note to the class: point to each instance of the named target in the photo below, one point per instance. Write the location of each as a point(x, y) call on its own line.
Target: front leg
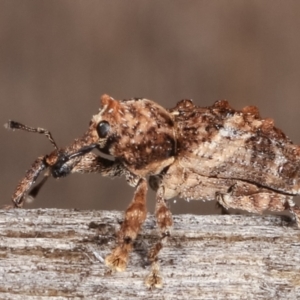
point(88, 163)
point(19, 196)
point(135, 216)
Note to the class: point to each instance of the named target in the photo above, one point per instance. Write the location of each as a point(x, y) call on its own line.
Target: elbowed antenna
point(16, 125)
point(82, 151)
point(20, 195)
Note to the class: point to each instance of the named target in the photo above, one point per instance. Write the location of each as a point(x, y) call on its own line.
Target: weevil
point(199, 153)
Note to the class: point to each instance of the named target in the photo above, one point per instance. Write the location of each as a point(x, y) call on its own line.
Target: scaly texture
point(200, 153)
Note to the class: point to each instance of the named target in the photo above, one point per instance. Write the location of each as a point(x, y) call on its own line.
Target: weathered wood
point(58, 254)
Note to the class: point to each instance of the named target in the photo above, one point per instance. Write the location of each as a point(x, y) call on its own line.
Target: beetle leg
point(295, 211)
point(88, 163)
point(164, 221)
point(135, 216)
point(24, 185)
point(256, 202)
point(259, 202)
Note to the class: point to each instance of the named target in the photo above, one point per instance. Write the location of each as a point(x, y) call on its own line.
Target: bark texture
point(59, 254)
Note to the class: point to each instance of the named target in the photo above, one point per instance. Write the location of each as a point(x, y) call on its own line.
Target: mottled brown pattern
point(142, 134)
point(197, 153)
point(236, 144)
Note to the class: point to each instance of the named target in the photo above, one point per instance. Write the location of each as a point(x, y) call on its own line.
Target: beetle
point(200, 153)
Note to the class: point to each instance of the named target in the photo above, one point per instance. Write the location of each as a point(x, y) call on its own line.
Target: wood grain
point(59, 254)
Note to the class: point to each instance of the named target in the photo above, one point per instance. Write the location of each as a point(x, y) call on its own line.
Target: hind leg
point(295, 211)
point(257, 200)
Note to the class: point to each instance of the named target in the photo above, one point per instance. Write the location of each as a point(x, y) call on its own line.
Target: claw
point(154, 279)
point(117, 260)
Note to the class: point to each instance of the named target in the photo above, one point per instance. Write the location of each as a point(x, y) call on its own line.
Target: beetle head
point(139, 132)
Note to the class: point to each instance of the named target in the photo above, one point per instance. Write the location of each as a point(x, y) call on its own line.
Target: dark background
point(58, 57)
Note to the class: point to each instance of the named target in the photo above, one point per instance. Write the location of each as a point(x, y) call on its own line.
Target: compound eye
point(102, 129)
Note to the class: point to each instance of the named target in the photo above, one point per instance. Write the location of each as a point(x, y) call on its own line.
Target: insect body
point(211, 153)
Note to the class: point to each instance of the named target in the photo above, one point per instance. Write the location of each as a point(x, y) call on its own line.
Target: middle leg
point(165, 222)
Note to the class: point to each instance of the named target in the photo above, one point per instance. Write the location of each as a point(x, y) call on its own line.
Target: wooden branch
point(57, 254)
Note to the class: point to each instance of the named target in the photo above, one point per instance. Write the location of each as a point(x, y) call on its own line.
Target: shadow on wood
point(60, 254)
